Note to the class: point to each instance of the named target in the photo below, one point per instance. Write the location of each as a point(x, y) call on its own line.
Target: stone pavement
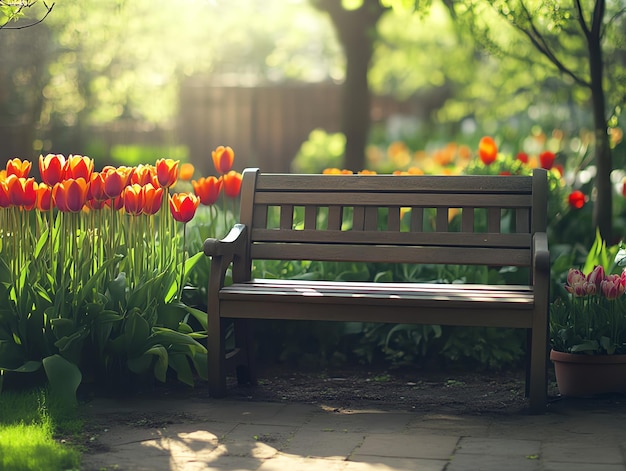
point(207, 434)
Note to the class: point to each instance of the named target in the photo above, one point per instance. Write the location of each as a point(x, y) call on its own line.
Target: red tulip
point(5, 201)
point(96, 187)
point(577, 199)
point(115, 203)
point(44, 198)
point(522, 157)
point(546, 159)
point(19, 168)
point(133, 197)
point(115, 180)
point(77, 167)
point(153, 197)
point(487, 150)
point(70, 195)
point(223, 158)
point(232, 184)
point(183, 206)
point(144, 174)
point(167, 172)
point(207, 189)
point(22, 191)
point(51, 168)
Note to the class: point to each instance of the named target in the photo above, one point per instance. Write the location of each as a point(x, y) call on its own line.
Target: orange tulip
point(167, 172)
point(96, 187)
point(116, 203)
point(144, 174)
point(207, 189)
point(133, 197)
point(77, 167)
point(232, 184)
point(223, 158)
point(153, 197)
point(5, 201)
point(186, 171)
point(22, 191)
point(19, 168)
point(487, 150)
point(44, 198)
point(183, 206)
point(51, 168)
point(70, 195)
point(115, 180)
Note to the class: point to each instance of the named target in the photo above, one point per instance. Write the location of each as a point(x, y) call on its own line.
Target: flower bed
point(93, 266)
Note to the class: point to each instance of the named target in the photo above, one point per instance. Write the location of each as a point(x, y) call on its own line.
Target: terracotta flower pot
point(579, 375)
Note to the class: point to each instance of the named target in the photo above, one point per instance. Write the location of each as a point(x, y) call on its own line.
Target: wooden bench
point(365, 218)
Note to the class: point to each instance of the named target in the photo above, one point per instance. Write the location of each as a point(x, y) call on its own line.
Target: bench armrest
point(223, 252)
point(229, 245)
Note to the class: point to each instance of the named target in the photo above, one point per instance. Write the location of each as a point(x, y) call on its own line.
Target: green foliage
point(319, 152)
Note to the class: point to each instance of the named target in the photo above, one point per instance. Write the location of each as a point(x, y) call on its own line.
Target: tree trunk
point(356, 32)
point(603, 205)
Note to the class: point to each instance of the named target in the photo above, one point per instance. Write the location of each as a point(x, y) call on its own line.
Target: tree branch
point(20, 7)
point(538, 40)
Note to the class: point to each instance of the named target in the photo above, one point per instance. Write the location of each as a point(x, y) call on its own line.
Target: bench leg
point(537, 384)
point(246, 368)
point(216, 355)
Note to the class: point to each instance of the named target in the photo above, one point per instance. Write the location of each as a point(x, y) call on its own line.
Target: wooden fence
point(265, 125)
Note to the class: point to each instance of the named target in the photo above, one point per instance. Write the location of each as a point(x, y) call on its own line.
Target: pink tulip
point(612, 287)
point(596, 276)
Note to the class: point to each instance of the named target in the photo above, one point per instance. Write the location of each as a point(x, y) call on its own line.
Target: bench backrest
point(469, 220)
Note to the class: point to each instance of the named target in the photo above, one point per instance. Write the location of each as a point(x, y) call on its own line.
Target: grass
point(29, 423)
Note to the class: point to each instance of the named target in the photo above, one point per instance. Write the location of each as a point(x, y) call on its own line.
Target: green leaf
point(199, 315)
point(117, 290)
point(136, 332)
point(180, 364)
point(160, 367)
point(64, 377)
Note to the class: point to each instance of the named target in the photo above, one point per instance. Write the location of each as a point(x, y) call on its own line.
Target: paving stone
point(498, 447)
point(457, 425)
point(580, 452)
point(373, 421)
point(326, 444)
point(386, 463)
point(548, 466)
point(438, 447)
point(297, 463)
point(256, 440)
point(475, 462)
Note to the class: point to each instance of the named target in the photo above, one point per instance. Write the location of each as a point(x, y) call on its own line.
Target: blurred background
point(126, 82)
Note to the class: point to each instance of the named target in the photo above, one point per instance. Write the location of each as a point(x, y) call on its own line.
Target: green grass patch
point(29, 423)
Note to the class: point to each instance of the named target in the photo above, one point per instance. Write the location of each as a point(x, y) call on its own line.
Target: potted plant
point(588, 330)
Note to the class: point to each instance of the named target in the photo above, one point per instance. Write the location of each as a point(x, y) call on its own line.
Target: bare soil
point(414, 390)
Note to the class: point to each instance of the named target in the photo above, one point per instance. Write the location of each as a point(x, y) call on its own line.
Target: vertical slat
point(467, 219)
point(310, 217)
point(335, 216)
point(286, 217)
point(441, 224)
point(417, 219)
point(260, 216)
point(393, 219)
point(540, 196)
point(522, 221)
point(371, 218)
point(493, 220)
point(358, 218)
